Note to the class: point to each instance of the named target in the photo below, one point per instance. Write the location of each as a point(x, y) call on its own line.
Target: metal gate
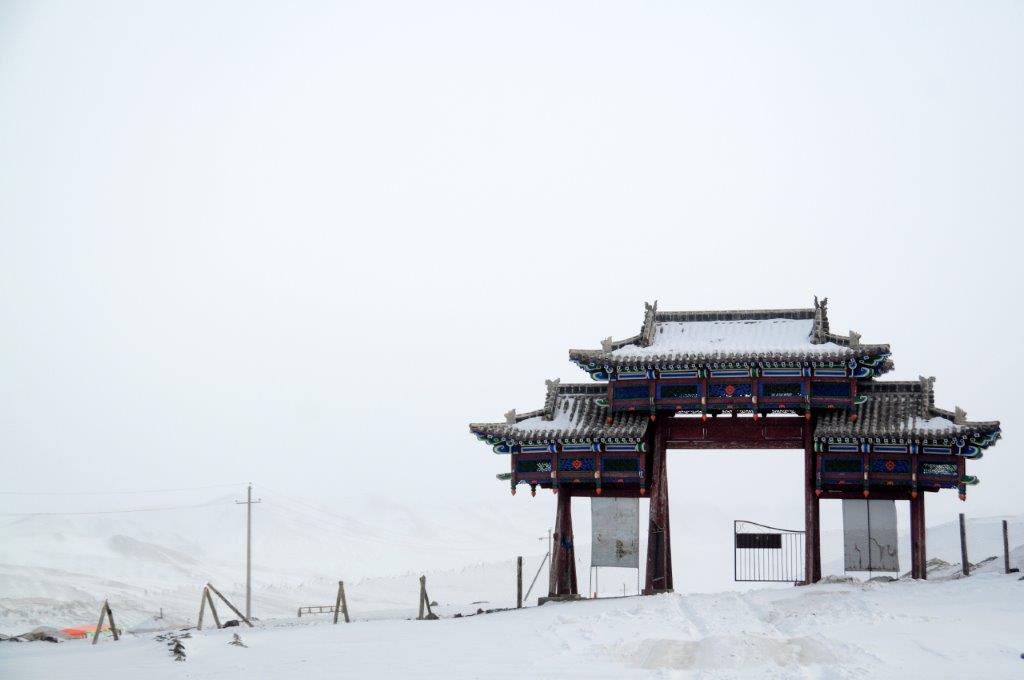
point(764, 553)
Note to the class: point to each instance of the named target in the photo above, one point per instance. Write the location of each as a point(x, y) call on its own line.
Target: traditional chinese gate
point(748, 379)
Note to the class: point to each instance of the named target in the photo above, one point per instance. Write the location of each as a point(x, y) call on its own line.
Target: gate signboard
point(869, 535)
point(615, 523)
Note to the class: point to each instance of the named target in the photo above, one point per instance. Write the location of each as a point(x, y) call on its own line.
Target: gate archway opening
point(711, 489)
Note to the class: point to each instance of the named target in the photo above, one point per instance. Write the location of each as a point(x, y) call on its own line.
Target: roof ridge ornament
point(959, 416)
point(820, 333)
point(928, 390)
point(607, 345)
point(551, 399)
point(854, 339)
point(510, 417)
point(647, 331)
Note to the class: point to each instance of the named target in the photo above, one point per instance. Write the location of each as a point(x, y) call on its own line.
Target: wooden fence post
point(965, 565)
point(202, 609)
point(228, 603)
point(113, 626)
point(203, 600)
point(109, 615)
point(340, 604)
point(423, 596)
point(1006, 547)
point(213, 610)
point(519, 582)
point(96, 633)
point(425, 602)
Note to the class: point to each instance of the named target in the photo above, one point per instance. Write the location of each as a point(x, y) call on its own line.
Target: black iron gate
point(764, 553)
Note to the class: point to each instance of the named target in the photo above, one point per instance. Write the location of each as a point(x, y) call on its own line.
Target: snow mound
point(734, 652)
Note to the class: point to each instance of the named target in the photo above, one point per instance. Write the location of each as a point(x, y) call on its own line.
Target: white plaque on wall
point(615, 527)
point(869, 535)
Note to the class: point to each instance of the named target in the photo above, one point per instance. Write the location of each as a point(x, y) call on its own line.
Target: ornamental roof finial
point(551, 400)
point(510, 417)
point(959, 416)
point(928, 388)
point(854, 339)
point(821, 329)
point(647, 331)
point(607, 344)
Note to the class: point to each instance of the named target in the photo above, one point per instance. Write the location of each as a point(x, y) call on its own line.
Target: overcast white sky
point(306, 243)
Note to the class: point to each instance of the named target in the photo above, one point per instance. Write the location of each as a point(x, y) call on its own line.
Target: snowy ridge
point(761, 336)
point(56, 569)
point(565, 416)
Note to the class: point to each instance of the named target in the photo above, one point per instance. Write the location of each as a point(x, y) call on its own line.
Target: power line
point(378, 535)
point(116, 512)
point(113, 493)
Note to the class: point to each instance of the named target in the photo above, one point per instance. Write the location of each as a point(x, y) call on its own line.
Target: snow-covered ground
point(943, 628)
point(55, 570)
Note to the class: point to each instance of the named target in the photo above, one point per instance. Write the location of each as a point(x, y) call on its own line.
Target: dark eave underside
point(899, 410)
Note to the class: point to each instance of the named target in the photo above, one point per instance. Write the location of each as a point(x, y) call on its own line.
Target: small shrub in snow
point(174, 644)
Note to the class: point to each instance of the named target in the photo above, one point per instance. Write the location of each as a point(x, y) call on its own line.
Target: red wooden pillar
point(918, 546)
point(563, 562)
point(812, 522)
point(922, 552)
point(915, 547)
point(659, 538)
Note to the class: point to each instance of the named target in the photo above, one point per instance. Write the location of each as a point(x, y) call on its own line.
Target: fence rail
point(767, 554)
point(324, 609)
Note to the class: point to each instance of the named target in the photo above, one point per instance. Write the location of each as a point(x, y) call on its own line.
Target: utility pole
point(551, 557)
point(248, 548)
point(547, 558)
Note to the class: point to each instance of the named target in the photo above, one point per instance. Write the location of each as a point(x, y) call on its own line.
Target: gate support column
point(659, 538)
point(918, 545)
point(812, 523)
point(563, 561)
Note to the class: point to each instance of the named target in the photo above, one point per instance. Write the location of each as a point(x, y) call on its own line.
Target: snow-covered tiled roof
point(571, 413)
point(709, 337)
point(901, 410)
point(778, 337)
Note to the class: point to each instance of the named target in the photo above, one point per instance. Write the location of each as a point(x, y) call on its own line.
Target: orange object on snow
point(83, 631)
